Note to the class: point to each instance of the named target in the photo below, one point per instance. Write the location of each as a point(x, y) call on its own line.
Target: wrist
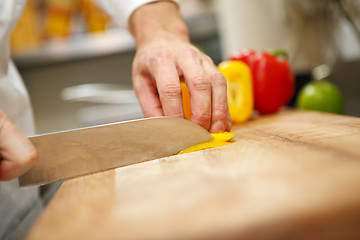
point(158, 20)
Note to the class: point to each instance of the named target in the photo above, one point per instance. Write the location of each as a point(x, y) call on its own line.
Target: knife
point(68, 154)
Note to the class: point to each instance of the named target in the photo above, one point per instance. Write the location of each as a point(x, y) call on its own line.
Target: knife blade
point(73, 153)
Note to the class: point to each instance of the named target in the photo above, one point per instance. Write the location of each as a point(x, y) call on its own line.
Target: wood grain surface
point(293, 175)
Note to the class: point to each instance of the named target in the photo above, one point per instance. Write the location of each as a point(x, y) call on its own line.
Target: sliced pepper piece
point(220, 139)
point(206, 145)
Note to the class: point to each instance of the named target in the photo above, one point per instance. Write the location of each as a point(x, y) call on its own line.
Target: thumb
point(17, 154)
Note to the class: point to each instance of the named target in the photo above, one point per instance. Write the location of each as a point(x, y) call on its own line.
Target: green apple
point(321, 95)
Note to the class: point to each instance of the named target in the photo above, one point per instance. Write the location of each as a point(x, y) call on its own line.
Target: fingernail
point(218, 126)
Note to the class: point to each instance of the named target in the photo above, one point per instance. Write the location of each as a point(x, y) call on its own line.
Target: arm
point(17, 154)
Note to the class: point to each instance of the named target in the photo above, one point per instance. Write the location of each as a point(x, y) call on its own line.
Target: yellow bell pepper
point(220, 139)
point(239, 89)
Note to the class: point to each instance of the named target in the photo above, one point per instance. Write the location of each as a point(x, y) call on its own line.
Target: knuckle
point(208, 59)
point(202, 116)
point(190, 52)
point(170, 90)
point(159, 56)
point(199, 82)
point(221, 110)
point(177, 114)
point(218, 79)
point(162, 54)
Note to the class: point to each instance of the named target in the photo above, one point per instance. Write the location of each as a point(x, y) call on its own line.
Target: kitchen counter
point(292, 175)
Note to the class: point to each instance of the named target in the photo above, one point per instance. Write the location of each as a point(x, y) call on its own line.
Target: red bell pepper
point(273, 78)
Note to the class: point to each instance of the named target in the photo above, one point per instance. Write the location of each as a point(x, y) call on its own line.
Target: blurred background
point(76, 62)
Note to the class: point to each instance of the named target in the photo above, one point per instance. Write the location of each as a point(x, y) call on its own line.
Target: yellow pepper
point(220, 139)
point(239, 89)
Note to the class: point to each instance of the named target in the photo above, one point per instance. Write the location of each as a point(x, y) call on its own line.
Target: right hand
point(17, 153)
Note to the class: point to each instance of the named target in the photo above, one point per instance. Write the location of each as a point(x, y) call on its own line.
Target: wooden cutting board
point(293, 175)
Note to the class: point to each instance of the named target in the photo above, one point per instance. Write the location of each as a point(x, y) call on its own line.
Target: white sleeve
point(121, 10)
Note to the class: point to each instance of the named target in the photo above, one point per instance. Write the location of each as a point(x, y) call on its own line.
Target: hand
point(17, 154)
point(164, 58)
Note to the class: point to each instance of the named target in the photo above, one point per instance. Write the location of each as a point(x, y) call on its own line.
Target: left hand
point(158, 69)
point(164, 58)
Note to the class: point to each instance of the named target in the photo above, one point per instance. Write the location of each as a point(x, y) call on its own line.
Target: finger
point(168, 86)
point(229, 122)
point(17, 152)
point(219, 107)
point(199, 87)
point(147, 95)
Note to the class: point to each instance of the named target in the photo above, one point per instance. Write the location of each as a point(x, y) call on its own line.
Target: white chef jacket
point(15, 205)
point(18, 207)
point(126, 8)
